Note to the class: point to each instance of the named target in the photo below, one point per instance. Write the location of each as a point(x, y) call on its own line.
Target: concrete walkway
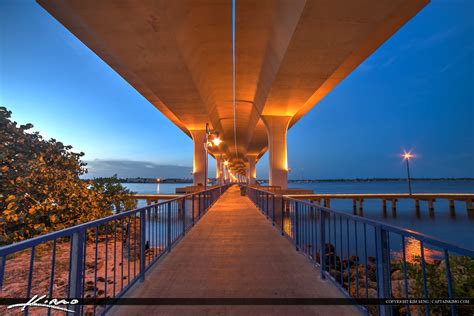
point(234, 252)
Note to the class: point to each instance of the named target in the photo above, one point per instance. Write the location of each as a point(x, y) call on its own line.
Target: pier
point(392, 198)
point(234, 77)
point(234, 252)
point(217, 245)
point(155, 198)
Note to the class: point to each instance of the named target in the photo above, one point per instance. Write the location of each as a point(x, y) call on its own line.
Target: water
point(155, 188)
point(454, 228)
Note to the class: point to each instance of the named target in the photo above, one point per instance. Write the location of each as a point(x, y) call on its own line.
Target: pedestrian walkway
point(234, 252)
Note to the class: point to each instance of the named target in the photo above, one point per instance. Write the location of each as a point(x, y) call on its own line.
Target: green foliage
point(462, 276)
point(40, 186)
point(115, 195)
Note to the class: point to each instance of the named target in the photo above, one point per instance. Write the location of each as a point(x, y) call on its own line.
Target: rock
point(92, 265)
point(329, 248)
point(362, 291)
point(398, 275)
point(360, 272)
point(372, 272)
point(415, 310)
point(336, 275)
point(371, 284)
point(398, 288)
point(344, 264)
point(90, 287)
point(353, 259)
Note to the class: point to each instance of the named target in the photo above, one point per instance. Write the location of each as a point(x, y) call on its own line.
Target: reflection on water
point(413, 252)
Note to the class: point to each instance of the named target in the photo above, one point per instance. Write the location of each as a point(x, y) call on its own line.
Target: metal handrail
point(395, 229)
point(335, 240)
point(138, 238)
point(24, 244)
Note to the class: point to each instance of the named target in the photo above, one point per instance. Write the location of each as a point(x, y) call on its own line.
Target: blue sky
point(415, 93)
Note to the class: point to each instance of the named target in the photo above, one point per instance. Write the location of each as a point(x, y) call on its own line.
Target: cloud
point(132, 169)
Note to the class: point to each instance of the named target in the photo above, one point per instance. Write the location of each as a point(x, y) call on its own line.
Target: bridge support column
point(277, 127)
point(219, 170)
point(252, 171)
point(199, 161)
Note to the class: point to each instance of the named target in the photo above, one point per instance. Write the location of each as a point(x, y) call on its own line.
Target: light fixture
point(407, 155)
point(216, 141)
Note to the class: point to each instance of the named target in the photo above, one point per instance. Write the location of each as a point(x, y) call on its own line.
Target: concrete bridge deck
point(234, 252)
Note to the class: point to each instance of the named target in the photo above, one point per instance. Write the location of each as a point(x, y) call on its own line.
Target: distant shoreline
point(184, 181)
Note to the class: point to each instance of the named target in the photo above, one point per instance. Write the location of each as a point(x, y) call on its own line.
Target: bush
point(40, 186)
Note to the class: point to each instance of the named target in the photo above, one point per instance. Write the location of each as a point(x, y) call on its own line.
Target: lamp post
point(407, 156)
point(212, 139)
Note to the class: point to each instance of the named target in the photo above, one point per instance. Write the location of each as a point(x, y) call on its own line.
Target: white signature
point(40, 301)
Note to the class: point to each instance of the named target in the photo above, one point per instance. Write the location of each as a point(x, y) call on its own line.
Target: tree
point(115, 195)
point(40, 186)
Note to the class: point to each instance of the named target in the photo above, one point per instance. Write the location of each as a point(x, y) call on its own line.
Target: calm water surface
point(456, 228)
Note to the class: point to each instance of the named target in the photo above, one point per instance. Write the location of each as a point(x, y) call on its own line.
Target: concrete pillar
point(219, 176)
point(277, 126)
point(417, 205)
point(199, 161)
point(469, 205)
point(451, 204)
point(252, 170)
point(430, 205)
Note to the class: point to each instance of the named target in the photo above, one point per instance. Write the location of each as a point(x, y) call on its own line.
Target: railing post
point(267, 197)
point(169, 226)
point(273, 210)
point(142, 244)
point(192, 208)
point(2, 270)
point(76, 269)
point(282, 216)
point(183, 209)
point(199, 205)
point(297, 228)
point(322, 244)
point(383, 267)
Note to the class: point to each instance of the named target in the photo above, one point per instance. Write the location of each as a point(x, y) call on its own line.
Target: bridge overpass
point(251, 69)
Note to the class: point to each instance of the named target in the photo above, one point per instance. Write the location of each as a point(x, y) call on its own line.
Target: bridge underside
point(289, 55)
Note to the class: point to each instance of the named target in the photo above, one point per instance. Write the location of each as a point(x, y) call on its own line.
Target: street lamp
point(407, 156)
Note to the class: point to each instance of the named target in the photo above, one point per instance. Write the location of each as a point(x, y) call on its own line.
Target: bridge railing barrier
point(370, 260)
point(98, 261)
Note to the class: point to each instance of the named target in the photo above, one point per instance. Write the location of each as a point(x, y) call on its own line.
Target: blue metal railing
point(369, 259)
point(101, 259)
